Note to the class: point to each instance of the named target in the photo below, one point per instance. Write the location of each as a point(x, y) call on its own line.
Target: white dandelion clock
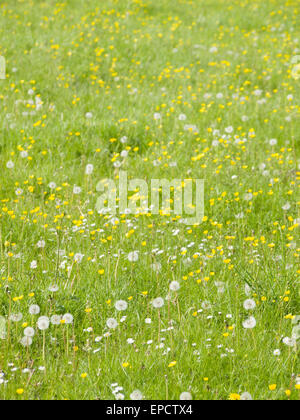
point(174, 286)
point(56, 319)
point(68, 318)
point(158, 303)
point(26, 341)
point(136, 395)
point(133, 256)
point(185, 396)
point(34, 310)
point(249, 323)
point(249, 304)
point(112, 323)
point(246, 396)
point(43, 323)
point(10, 164)
point(290, 342)
point(16, 317)
point(89, 169)
point(29, 332)
point(121, 305)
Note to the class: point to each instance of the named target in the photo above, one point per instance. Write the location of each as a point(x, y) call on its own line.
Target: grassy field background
point(203, 89)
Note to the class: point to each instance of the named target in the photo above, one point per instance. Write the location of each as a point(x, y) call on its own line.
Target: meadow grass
point(205, 89)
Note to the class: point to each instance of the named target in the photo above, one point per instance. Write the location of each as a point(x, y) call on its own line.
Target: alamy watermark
point(177, 197)
point(2, 68)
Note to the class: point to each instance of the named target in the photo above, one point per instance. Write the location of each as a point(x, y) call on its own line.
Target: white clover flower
point(34, 310)
point(29, 332)
point(249, 304)
point(185, 396)
point(136, 395)
point(158, 303)
point(112, 323)
point(43, 323)
point(174, 286)
point(121, 305)
point(250, 323)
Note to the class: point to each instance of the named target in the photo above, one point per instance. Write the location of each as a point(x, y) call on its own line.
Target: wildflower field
point(96, 305)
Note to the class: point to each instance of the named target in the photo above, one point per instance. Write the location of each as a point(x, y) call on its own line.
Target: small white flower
point(277, 352)
point(88, 115)
point(130, 340)
point(148, 320)
point(157, 116)
point(33, 265)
